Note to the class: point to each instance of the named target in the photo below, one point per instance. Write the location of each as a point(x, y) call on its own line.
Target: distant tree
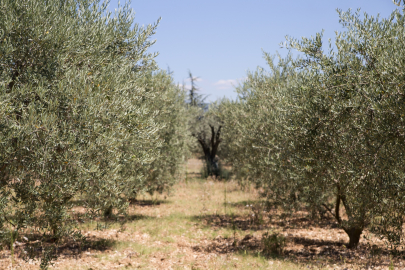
point(205, 127)
point(209, 142)
point(195, 99)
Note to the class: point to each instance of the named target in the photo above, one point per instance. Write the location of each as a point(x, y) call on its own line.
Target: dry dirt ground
point(207, 224)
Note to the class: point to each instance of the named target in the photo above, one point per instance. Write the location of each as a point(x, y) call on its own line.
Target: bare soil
point(209, 224)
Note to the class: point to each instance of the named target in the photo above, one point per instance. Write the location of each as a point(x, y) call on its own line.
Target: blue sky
point(219, 41)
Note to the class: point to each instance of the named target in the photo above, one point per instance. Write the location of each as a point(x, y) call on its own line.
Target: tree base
point(354, 236)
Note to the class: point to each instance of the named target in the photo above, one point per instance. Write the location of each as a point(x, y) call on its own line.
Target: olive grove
point(327, 130)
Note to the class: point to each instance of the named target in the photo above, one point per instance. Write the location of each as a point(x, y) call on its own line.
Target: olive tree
point(331, 125)
point(205, 127)
point(207, 132)
point(75, 118)
point(170, 112)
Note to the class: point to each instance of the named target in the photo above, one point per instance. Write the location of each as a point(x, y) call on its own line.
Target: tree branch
point(337, 209)
point(328, 209)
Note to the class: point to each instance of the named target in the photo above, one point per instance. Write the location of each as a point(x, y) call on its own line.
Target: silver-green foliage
point(331, 125)
point(77, 118)
point(171, 113)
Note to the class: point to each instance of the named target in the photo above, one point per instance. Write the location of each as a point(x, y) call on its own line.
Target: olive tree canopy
point(331, 125)
point(80, 112)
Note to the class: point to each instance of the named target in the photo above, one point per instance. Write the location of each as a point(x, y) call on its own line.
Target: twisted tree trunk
point(354, 231)
point(210, 148)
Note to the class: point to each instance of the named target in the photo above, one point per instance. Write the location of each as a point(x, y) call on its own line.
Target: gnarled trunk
point(212, 166)
point(210, 148)
point(354, 232)
point(108, 212)
point(354, 236)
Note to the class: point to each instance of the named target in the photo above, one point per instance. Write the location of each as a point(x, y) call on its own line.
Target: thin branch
point(328, 209)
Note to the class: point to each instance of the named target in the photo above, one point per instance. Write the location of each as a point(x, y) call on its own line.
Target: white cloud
point(226, 84)
point(186, 86)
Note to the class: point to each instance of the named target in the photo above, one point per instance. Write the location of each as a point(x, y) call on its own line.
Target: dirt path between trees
point(207, 224)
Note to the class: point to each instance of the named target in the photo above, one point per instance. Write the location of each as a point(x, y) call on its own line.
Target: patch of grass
point(139, 248)
point(168, 226)
point(99, 244)
point(273, 243)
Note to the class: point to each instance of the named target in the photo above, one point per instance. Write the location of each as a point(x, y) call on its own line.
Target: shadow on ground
point(73, 248)
point(236, 222)
point(298, 249)
point(149, 202)
point(262, 221)
point(246, 204)
point(301, 250)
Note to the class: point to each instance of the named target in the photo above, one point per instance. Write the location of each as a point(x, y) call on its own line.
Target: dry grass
point(212, 225)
